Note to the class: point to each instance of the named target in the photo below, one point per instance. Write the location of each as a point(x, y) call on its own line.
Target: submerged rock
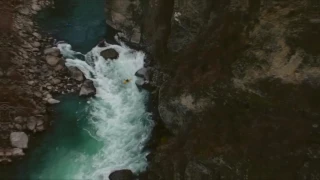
point(109, 54)
point(19, 139)
point(87, 88)
point(121, 175)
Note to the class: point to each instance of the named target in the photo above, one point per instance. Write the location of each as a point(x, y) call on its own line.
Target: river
point(90, 138)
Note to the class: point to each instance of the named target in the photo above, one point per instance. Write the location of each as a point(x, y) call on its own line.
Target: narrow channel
point(90, 138)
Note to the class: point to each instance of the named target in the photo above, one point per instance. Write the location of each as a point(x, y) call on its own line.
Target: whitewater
point(117, 114)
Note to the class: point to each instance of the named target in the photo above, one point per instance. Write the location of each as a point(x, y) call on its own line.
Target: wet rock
point(52, 60)
point(140, 82)
point(76, 73)
point(143, 73)
point(53, 101)
point(87, 88)
point(109, 54)
point(52, 51)
point(19, 139)
point(122, 175)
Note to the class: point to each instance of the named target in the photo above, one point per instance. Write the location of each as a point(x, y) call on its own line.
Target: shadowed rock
point(122, 175)
point(109, 54)
point(87, 88)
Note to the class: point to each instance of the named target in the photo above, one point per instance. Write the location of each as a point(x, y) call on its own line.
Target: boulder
point(36, 7)
point(52, 51)
point(24, 11)
point(52, 60)
point(32, 122)
point(76, 73)
point(122, 175)
point(87, 88)
point(143, 73)
point(144, 84)
point(53, 101)
point(109, 54)
point(140, 82)
point(40, 128)
point(37, 35)
point(56, 81)
point(36, 44)
point(17, 152)
point(59, 67)
point(18, 119)
point(19, 139)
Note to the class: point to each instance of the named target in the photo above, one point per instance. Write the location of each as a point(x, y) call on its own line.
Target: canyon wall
point(238, 85)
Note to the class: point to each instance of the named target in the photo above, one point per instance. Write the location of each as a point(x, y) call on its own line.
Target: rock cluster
point(31, 73)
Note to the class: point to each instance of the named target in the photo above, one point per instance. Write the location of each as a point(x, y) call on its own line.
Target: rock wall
point(124, 16)
point(241, 94)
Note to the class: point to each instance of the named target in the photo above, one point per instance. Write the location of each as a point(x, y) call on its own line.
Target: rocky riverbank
point(32, 71)
point(237, 84)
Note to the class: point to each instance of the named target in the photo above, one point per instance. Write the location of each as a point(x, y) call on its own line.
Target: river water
point(92, 137)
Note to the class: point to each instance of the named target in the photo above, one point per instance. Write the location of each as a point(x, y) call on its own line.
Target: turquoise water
point(79, 22)
point(89, 138)
point(63, 142)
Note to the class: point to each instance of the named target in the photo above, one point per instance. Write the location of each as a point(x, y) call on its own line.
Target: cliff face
point(242, 99)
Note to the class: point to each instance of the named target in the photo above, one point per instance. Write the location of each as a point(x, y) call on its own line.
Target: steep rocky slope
point(242, 98)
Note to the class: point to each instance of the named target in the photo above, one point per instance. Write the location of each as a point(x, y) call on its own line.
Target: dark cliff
point(238, 88)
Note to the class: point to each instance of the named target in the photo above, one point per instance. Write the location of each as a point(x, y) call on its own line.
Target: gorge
point(232, 86)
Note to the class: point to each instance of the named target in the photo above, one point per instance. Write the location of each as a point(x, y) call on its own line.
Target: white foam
point(117, 113)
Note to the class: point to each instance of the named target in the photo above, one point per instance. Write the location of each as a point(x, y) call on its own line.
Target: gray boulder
point(144, 84)
point(143, 73)
point(19, 139)
point(122, 175)
point(52, 51)
point(76, 73)
point(52, 60)
point(87, 88)
point(140, 82)
point(32, 122)
point(109, 54)
point(17, 152)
